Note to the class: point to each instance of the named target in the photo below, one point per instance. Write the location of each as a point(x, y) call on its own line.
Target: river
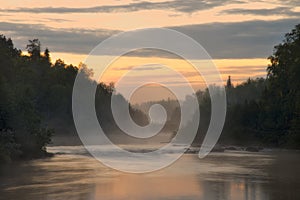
point(230, 175)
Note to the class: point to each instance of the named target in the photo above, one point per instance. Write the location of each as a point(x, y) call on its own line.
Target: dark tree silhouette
point(282, 98)
point(36, 97)
point(229, 84)
point(47, 54)
point(34, 48)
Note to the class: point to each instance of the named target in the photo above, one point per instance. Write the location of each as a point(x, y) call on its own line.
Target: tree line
point(36, 101)
point(263, 111)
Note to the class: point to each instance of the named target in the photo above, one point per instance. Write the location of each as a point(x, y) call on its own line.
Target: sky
point(239, 35)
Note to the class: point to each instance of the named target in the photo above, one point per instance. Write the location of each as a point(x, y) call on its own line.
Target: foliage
point(36, 98)
point(282, 97)
point(264, 111)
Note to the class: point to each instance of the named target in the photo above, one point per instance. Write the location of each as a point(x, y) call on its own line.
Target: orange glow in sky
point(52, 18)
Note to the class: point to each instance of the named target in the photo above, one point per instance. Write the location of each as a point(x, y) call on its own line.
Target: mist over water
point(73, 174)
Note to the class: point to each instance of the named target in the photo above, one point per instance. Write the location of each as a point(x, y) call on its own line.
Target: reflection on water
point(220, 176)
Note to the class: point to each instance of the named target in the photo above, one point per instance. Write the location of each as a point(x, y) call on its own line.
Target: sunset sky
point(238, 34)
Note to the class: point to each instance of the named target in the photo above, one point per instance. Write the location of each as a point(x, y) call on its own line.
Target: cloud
point(42, 20)
point(186, 6)
point(236, 70)
point(80, 41)
point(58, 20)
point(245, 70)
point(250, 39)
point(144, 68)
point(282, 11)
point(149, 52)
point(293, 3)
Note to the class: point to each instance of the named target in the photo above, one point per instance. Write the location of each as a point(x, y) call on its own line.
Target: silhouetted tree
point(34, 48)
point(282, 97)
point(229, 84)
point(47, 54)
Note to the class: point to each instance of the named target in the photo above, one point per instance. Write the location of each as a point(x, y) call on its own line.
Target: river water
point(230, 175)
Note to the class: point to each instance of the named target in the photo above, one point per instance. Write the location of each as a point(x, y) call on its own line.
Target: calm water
point(72, 174)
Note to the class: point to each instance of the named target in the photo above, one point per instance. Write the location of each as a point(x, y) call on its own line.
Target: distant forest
point(263, 111)
point(36, 102)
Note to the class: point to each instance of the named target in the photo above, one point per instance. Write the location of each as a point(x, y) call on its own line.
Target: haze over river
point(230, 175)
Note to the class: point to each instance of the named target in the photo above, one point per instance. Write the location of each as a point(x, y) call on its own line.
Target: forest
point(36, 101)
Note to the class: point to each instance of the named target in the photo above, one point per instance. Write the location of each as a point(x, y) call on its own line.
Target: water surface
point(73, 174)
